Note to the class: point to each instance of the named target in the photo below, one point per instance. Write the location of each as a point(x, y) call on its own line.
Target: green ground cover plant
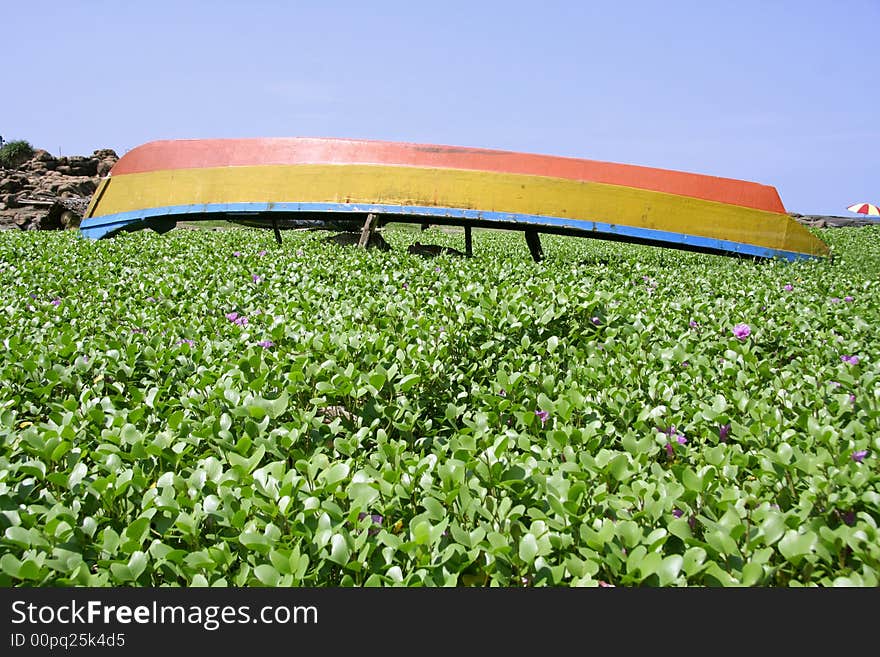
point(207, 408)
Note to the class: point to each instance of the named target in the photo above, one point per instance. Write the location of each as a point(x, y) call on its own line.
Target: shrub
point(15, 153)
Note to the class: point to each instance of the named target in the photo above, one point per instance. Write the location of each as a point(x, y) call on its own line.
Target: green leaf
point(18, 535)
point(10, 565)
point(619, 467)
point(722, 542)
point(137, 563)
point(138, 530)
point(794, 546)
point(528, 548)
point(339, 551)
point(649, 564)
point(680, 528)
point(334, 474)
point(76, 475)
point(407, 382)
point(752, 574)
point(254, 541)
point(773, 528)
point(267, 575)
point(669, 569)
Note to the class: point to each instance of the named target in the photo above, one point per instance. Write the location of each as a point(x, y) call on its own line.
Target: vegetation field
point(206, 408)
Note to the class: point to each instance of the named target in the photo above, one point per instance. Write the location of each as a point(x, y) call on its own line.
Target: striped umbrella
point(865, 208)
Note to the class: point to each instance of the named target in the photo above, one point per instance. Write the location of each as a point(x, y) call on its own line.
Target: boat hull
point(319, 180)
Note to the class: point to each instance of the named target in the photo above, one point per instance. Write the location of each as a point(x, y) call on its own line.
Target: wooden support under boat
point(468, 242)
point(275, 229)
point(534, 242)
point(367, 231)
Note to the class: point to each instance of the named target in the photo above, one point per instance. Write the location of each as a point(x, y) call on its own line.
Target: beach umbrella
point(865, 208)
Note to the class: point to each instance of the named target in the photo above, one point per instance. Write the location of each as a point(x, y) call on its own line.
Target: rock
point(69, 219)
point(103, 167)
point(49, 193)
point(832, 221)
point(81, 166)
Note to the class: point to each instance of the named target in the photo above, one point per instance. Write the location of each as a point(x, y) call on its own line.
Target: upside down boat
point(321, 181)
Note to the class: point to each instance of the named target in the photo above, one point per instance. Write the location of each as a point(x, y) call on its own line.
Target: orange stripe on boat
point(209, 153)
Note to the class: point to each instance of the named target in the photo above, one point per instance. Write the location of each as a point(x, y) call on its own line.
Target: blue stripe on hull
point(98, 227)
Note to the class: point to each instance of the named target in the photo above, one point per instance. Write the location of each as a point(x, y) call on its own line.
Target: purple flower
point(849, 518)
point(186, 341)
point(859, 455)
point(787, 287)
point(724, 432)
point(835, 384)
point(138, 330)
point(544, 415)
point(852, 399)
point(299, 252)
point(406, 286)
point(848, 299)
point(742, 331)
point(56, 301)
point(237, 254)
point(693, 324)
point(672, 432)
point(265, 344)
point(835, 300)
point(262, 252)
point(670, 450)
point(684, 363)
point(678, 513)
point(437, 269)
point(235, 318)
point(376, 520)
point(502, 392)
point(692, 522)
point(596, 321)
point(374, 517)
point(151, 299)
point(850, 360)
point(256, 278)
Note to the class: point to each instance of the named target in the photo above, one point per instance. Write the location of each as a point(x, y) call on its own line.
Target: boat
point(352, 183)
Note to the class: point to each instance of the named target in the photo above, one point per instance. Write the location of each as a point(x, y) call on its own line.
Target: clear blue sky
point(782, 93)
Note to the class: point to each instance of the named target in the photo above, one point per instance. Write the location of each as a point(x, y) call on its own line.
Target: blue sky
point(782, 93)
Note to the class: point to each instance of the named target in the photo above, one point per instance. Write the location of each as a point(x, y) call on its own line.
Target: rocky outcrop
point(831, 221)
point(51, 193)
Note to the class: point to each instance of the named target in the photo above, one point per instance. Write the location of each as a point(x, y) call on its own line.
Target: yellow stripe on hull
point(478, 190)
